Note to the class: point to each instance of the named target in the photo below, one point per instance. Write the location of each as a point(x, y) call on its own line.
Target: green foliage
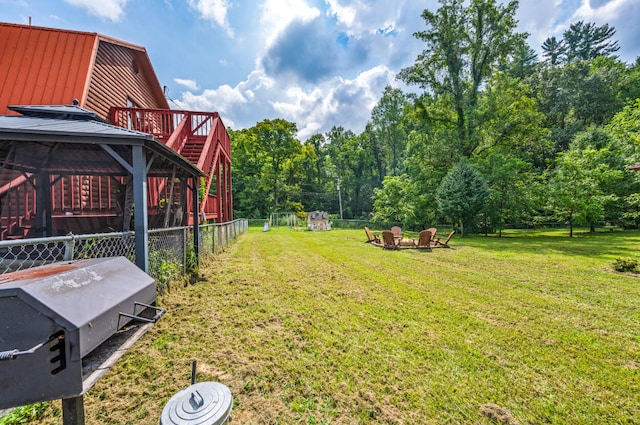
point(388, 124)
point(462, 195)
point(202, 189)
point(588, 41)
point(163, 269)
point(632, 213)
point(391, 202)
point(463, 45)
point(512, 121)
point(276, 140)
point(25, 414)
point(625, 129)
point(625, 265)
point(581, 42)
point(511, 185)
point(554, 51)
point(574, 194)
point(192, 267)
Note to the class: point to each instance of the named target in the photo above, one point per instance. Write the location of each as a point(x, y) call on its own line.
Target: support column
point(73, 411)
point(140, 212)
point(196, 220)
point(220, 197)
point(230, 192)
point(43, 205)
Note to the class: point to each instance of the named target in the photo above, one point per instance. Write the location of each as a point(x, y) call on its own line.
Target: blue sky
point(317, 63)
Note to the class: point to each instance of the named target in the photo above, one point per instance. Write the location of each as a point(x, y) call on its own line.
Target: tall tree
point(513, 122)
point(463, 46)
point(522, 63)
point(574, 193)
point(392, 202)
point(588, 41)
point(580, 93)
point(387, 122)
point(510, 181)
point(624, 128)
point(554, 51)
point(614, 179)
point(462, 194)
point(598, 95)
point(276, 138)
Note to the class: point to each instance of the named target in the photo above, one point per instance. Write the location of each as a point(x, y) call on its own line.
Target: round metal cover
point(204, 403)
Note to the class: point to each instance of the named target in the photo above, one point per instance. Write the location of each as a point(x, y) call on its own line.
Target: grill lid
point(86, 296)
point(204, 403)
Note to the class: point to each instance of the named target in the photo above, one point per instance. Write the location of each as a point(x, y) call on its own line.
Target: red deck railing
point(201, 138)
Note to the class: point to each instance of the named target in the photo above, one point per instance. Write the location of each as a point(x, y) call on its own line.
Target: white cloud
point(339, 102)
point(229, 101)
point(556, 16)
point(359, 18)
point(540, 20)
point(609, 11)
point(278, 14)
point(214, 11)
point(109, 9)
point(346, 103)
point(344, 14)
point(189, 84)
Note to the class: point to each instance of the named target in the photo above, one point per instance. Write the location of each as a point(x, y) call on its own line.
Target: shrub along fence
point(170, 250)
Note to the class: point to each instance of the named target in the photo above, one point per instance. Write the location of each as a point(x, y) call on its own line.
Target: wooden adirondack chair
point(389, 241)
point(443, 244)
point(372, 237)
point(424, 239)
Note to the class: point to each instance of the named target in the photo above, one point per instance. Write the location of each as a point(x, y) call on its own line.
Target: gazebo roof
point(73, 112)
point(80, 146)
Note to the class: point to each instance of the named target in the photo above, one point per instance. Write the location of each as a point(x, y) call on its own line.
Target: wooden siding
point(113, 80)
point(41, 66)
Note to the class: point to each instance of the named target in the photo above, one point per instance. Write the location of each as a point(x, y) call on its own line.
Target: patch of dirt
point(499, 414)
point(381, 411)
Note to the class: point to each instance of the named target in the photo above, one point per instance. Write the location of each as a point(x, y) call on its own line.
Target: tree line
point(492, 134)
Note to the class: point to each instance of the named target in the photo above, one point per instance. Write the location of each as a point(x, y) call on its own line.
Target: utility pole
point(340, 198)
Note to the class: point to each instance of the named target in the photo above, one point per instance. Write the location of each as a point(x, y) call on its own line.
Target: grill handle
point(13, 354)
point(159, 313)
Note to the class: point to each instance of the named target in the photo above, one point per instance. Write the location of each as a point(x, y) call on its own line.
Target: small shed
point(318, 220)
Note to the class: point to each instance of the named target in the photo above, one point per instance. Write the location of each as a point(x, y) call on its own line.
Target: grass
point(321, 328)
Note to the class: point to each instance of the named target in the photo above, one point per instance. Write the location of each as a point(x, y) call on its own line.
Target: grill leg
point(73, 411)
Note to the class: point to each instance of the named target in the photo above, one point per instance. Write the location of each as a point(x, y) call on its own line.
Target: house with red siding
point(115, 80)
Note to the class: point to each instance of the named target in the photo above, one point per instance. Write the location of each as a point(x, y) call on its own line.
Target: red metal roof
point(49, 66)
point(634, 167)
point(43, 66)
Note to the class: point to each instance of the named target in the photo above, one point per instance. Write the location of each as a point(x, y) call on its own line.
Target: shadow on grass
point(582, 243)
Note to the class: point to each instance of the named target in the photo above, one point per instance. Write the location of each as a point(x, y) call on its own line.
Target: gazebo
point(48, 143)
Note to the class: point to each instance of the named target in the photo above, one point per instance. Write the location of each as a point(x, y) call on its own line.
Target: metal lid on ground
point(204, 403)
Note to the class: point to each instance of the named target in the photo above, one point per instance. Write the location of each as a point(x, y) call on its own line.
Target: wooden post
point(73, 411)
point(140, 207)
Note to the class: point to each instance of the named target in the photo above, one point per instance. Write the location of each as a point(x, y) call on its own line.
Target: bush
point(626, 265)
point(25, 414)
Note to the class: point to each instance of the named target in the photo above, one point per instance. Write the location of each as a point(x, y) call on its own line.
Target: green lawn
point(321, 328)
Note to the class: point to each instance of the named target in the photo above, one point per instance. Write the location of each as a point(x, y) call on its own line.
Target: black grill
point(54, 318)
